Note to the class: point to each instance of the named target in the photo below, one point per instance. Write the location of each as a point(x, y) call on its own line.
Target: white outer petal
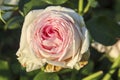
point(29, 60)
point(113, 51)
point(28, 19)
point(25, 54)
point(73, 61)
point(99, 47)
point(85, 44)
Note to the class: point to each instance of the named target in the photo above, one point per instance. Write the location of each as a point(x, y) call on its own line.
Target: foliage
point(101, 17)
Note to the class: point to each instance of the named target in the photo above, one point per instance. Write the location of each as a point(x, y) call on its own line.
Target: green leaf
point(87, 70)
point(93, 3)
point(73, 4)
point(55, 1)
point(46, 76)
point(104, 29)
point(117, 10)
point(23, 78)
point(65, 71)
point(22, 3)
point(94, 76)
point(14, 22)
point(4, 70)
point(31, 4)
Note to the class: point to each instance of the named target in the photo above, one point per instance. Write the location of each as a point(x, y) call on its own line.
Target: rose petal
point(85, 44)
point(25, 55)
point(60, 38)
point(29, 60)
point(74, 60)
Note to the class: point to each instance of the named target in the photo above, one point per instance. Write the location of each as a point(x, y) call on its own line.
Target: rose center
point(51, 38)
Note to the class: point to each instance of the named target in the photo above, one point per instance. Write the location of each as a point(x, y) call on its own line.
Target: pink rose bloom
point(55, 36)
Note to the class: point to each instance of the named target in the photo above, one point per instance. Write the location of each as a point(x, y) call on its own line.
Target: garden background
point(102, 18)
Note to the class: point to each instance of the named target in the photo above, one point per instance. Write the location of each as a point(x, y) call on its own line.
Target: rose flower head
point(53, 38)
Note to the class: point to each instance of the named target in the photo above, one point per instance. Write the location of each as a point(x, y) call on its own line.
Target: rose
point(112, 51)
point(55, 36)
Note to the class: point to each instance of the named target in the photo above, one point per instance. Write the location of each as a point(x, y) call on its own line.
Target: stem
point(10, 5)
point(21, 13)
point(80, 7)
point(119, 74)
point(112, 69)
point(94, 76)
point(86, 8)
point(1, 17)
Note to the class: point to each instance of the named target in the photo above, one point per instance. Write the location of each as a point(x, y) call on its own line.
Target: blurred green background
point(102, 18)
